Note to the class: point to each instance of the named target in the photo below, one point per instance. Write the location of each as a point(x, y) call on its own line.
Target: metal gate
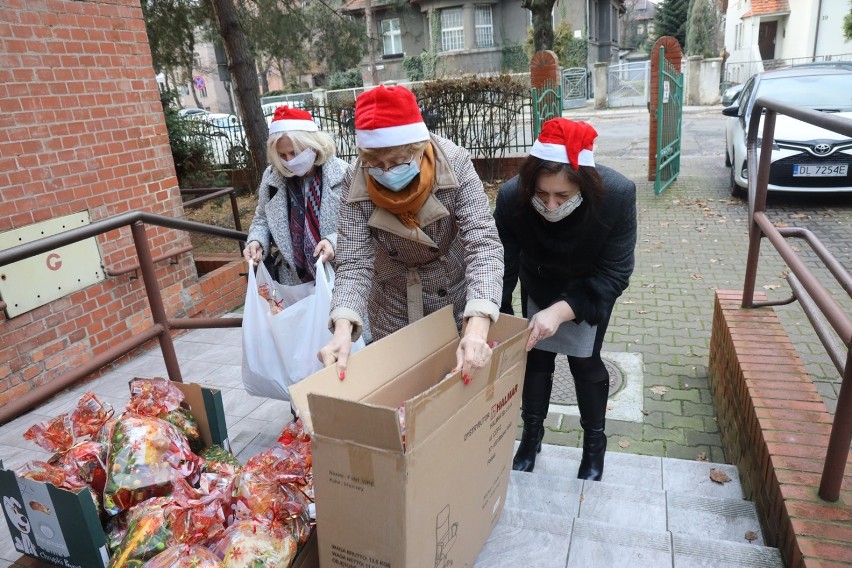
point(627, 84)
point(574, 82)
point(546, 104)
point(669, 119)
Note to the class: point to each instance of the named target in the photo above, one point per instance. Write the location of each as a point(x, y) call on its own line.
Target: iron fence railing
point(826, 316)
point(162, 324)
point(739, 71)
point(489, 124)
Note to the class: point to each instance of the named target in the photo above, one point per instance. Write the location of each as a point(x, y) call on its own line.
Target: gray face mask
point(560, 212)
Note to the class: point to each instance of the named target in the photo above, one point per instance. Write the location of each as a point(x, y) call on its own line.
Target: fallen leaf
point(628, 302)
point(781, 224)
point(659, 389)
point(656, 265)
point(771, 286)
point(702, 457)
point(696, 277)
point(643, 311)
point(609, 407)
point(685, 385)
point(623, 444)
point(714, 260)
point(645, 412)
point(750, 536)
point(719, 476)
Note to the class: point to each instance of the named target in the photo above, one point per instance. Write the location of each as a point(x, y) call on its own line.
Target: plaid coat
point(396, 275)
point(272, 217)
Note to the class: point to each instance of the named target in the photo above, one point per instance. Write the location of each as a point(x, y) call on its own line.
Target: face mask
point(397, 179)
point(302, 163)
point(560, 212)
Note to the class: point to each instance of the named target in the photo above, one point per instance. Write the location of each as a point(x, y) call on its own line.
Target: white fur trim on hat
point(392, 135)
point(558, 153)
point(288, 125)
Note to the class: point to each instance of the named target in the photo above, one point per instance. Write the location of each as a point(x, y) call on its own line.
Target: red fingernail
point(466, 379)
point(342, 375)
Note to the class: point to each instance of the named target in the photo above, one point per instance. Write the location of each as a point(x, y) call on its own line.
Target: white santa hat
point(566, 141)
point(288, 119)
point(388, 116)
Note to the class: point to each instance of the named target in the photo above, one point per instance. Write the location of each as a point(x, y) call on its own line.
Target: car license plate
point(813, 170)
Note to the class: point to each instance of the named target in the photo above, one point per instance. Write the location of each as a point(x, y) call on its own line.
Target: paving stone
point(692, 552)
point(705, 517)
point(694, 478)
point(596, 544)
point(525, 538)
point(623, 506)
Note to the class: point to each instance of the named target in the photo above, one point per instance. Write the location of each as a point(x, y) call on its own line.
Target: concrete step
point(647, 511)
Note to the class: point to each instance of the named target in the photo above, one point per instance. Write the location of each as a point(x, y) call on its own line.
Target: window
point(484, 27)
point(640, 29)
point(452, 29)
point(391, 37)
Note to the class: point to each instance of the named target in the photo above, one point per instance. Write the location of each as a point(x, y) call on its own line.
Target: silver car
point(805, 158)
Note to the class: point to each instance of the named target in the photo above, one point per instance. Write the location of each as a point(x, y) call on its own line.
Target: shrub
point(345, 79)
point(192, 157)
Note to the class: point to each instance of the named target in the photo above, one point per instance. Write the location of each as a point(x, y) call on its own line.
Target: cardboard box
point(62, 526)
point(428, 496)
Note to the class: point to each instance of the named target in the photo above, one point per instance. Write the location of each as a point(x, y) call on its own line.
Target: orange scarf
point(407, 202)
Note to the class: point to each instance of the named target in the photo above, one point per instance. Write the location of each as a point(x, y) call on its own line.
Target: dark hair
point(586, 177)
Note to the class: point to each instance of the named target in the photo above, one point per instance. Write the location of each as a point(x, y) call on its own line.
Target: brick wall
point(82, 129)
point(775, 428)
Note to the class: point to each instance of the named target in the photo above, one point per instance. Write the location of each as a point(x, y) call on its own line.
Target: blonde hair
point(319, 142)
point(372, 155)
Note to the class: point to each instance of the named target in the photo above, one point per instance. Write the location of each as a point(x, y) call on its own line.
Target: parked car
point(224, 135)
point(731, 94)
point(191, 112)
point(805, 158)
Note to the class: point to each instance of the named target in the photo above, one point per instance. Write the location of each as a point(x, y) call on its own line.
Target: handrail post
point(235, 208)
point(155, 300)
point(839, 440)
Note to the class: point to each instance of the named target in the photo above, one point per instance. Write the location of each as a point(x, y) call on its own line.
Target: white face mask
point(302, 163)
point(560, 212)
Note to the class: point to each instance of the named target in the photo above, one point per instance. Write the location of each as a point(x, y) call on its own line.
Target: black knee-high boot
point(591, 398)
point(534, 403)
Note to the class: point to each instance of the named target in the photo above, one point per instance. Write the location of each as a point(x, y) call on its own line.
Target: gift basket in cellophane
point(164, 499)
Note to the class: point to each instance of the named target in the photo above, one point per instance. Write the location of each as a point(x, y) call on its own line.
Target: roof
point(767, 8)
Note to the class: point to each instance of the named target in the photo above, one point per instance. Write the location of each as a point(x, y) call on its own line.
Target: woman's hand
point(545, 323)
point(338, 349)
point(253, 252)
point(473, 352)
point(325, 250)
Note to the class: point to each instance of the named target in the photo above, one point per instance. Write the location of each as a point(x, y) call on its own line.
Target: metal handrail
point(162, 326)
point(208, 193)
point(816, 301)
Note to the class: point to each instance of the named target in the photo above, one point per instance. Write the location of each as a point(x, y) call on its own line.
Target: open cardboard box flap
point(372, 367)
point(388, 373)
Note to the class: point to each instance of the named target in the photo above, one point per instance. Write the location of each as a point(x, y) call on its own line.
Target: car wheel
point(736, 191)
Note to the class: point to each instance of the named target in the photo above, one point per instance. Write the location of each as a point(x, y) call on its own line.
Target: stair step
point(530, 538)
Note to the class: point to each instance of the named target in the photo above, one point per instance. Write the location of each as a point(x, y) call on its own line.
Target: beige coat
point(397, 275)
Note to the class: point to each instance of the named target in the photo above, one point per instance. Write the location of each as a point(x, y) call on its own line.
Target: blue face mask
point(397, 177)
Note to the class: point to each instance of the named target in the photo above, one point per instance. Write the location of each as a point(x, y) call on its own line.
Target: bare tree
point(243, 72)
point(542, 22)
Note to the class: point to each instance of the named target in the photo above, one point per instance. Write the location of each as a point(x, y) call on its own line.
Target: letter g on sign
point(53, 261)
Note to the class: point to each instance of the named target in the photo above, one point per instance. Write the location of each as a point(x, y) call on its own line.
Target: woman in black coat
point(569, 231)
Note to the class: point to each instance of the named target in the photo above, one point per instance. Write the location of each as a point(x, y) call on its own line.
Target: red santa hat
point(388, 116)
point(566, 141)
point(288, 119)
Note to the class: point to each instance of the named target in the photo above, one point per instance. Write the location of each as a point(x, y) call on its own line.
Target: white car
point(805, 158)
point(224, 135)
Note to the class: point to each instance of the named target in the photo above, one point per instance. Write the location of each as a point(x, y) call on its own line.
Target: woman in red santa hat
point(298, 201)
point(569, 231)
point(415, 234)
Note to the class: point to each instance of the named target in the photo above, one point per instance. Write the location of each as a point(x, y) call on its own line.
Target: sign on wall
point(33, 282)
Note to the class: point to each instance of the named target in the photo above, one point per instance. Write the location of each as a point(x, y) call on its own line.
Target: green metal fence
point(669, 120)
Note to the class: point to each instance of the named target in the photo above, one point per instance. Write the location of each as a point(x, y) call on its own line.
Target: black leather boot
point(534, 403)
point(591, 398)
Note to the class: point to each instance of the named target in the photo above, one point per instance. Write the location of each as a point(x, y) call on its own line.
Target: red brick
point(825, 550)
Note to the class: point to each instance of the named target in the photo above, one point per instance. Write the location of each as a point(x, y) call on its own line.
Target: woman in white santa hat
point(569, 232)
point(415, 234)
point(298, 201)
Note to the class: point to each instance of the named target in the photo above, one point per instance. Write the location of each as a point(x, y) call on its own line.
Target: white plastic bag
point(281, 349)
